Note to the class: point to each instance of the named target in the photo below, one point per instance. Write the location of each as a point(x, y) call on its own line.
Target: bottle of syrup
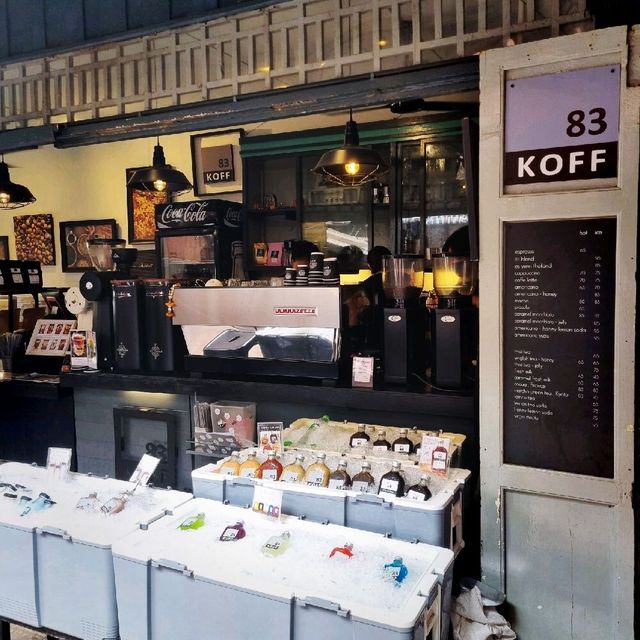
point(340, 479)
point(363, 481)
point(277, 545)
point(231, 466)
point(249, 467)
point(270, 469)
point(360, 437)
point(419, 491)
point(381, 444)
point(392, 482)
point(294, 472)
point(402, 444)
point(344, 551)
point(318, 473)
point(233, 532)
point(439, 459)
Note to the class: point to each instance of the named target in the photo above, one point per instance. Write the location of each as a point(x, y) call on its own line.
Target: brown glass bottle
point(360, 437)
point(340, 479)
point(270, 469)
point(381, 444)
point(402, 444)
point(419, 491)
point(392, 482)
point(363, 481)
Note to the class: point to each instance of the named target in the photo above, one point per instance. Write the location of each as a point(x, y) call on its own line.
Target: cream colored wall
point(87, 183)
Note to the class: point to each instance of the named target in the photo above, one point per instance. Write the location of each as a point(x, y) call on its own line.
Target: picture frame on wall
point(141, 208)
point(74, 235)
point(4, 247)
point(34, 238)
point(216, 162)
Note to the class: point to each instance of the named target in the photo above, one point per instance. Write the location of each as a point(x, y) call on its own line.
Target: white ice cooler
point(56, 568)
point(438, 521)
point(188, 584)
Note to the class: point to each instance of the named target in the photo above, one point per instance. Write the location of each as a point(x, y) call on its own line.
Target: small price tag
point(144, 470)
point(434, 454)
point(267, 501)
point(362, 372)
point(270, 437)
point(59, 462)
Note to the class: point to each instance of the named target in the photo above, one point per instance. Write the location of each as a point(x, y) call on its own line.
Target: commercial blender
point(454, 324)
point(403, 319)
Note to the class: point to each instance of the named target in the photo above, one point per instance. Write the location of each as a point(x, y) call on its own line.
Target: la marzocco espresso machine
point(454, 324)
point(404, 320)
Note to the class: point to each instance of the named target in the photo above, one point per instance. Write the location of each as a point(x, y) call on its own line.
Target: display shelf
point(288, 212)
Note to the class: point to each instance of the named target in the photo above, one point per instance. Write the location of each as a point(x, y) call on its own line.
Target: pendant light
point(351, 165)
point(159, 177)
point(12, 195)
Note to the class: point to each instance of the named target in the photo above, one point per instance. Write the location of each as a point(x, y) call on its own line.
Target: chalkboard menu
point(558, 345)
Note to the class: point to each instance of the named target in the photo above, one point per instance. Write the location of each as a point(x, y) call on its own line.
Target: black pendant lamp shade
point(12, 195)
point(159, 177)
point(351, 165)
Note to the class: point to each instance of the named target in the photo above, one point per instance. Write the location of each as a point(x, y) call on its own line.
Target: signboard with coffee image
point(51, 338)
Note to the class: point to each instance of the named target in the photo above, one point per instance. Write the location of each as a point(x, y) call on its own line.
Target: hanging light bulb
point(12, 195)
point(160, 176)
point(351, 165)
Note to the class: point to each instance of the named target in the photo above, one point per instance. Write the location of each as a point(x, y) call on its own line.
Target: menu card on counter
point(558, 344)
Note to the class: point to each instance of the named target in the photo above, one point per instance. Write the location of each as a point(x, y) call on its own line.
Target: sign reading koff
point(562, 127)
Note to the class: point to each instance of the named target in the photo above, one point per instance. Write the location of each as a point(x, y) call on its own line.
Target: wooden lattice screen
point(288, 44)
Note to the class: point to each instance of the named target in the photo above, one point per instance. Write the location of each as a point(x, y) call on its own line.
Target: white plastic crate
point(56, 568)
point(188, 584)
point(437, 521)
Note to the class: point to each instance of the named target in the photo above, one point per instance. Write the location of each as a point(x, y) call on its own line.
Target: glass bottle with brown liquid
point(270, 469)
point(392, 482)
point(318, 473)
point(360, 437)
point(363, 481)
point(419, 491)
point(402, 444)
point(381, 444)
point(294, 472)
point(340, 479)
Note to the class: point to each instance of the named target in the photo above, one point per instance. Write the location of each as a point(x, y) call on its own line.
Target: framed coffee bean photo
point(34, 238)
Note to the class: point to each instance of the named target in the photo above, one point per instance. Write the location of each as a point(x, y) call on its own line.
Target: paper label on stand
point(59, 462)
point(270, 436)
point(362, 371)
point(144, 470)
point(267, 501)
point(434, 454)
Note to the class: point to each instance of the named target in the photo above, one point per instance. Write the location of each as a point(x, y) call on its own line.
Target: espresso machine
point(454, 324)
point(403, 319)
point(112, 261)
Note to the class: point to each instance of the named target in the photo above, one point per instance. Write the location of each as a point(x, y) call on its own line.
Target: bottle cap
point(321, 456)
point(398, 559)
point(300, 458)
point(424, 477)
point(251, 454)
point(342, 464)
point(285, 534)
point(235, 454)
point(272, 455)
point(396, 466)
point(381, 433)
point(348, 545)
point(366, 465)
point(403, 433)
point(362, 427)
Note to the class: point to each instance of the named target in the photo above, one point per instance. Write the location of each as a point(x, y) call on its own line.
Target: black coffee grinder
point(454, 324)
point(112, 261)
point(404, 319)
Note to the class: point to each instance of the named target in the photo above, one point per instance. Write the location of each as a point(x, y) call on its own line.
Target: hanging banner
point(562, 127)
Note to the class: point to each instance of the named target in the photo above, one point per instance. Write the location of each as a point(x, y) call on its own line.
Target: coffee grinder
point(112, 261)
point(404, 319)
point(454, 324)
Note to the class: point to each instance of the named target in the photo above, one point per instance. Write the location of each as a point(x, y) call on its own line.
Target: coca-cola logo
point(233, 218)
point(185, 213)
point(295, 311)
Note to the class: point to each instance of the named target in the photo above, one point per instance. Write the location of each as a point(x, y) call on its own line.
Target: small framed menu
point(51, 338)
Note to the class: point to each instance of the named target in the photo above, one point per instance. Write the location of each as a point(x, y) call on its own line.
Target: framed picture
point(4, 247)
point(34, 238)
point(216, 162)
point(141, 208)
point(73, 241)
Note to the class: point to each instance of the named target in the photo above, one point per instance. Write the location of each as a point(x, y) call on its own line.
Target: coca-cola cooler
point(193, 239)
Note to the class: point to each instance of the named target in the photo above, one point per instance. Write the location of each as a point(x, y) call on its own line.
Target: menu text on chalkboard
point(558, 345)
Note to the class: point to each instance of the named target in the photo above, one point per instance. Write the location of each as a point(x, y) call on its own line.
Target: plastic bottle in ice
point(344, 551)
point(340, 479)
point(402, 444)
point(318, 473)
point(392, 482)
point(88, 503)
point(419, 491)
point(233, 532)
point(360, 437)
point(294, 472)
point(277, 545)
point(250, 466)
point(192, 522)
point(396, 570)
point(231, 466)
point(363, 481)
point(113, 505)
point(381, 444)
point(270, 469)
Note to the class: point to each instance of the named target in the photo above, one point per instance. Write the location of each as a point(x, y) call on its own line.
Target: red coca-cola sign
point(198, 213)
